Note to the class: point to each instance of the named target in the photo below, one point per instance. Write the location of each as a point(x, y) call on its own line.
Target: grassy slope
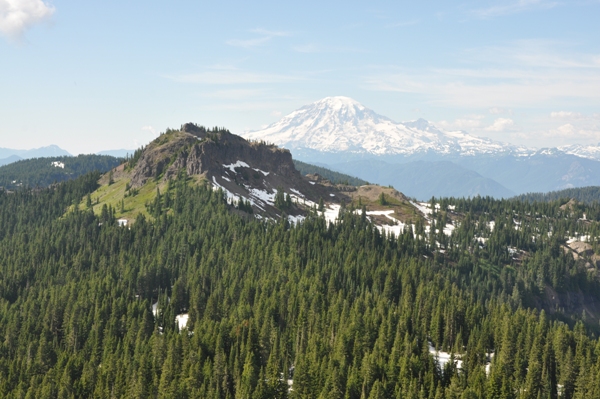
point(114, 193)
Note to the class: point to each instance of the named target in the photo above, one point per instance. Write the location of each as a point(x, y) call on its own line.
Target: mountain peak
point(342, 124)
point(339, 102)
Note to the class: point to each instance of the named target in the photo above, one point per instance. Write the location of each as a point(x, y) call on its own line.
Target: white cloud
point(16, 16)
point(499, 111)
point(500, 125)
point(501, 82)
point(566, 115)
point(566, 130)
point(513, 7)
point(466, 123)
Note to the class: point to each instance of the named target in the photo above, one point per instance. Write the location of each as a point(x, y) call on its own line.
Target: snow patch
point(58, 164)
point(584, 238)
point(444, 357)
point(181, 320)
point(238, 164)
point(331, 212)
point(261, 171)
point(296, 219)
point(296, 192)
point(422, 207)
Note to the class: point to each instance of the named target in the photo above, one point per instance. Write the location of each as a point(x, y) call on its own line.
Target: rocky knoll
point(245, 170)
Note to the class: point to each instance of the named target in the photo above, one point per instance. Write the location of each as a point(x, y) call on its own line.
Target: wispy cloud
point(566, 115)
point(466, 123)
point(505, 79)
point(16, 16)
point(265, 37)
point(514, 7)
point(230, 76)
point(500, 125)
point(248, 43)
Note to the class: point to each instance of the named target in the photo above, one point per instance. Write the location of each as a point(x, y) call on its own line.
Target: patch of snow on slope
point(331, 212)
point(296, 219)
point(423, 207)
point(155, 309)
point(449, 229)
point(261, 171)
point(444, 357)
point(182, 320)
point(238, 164)
point(296, 192)
point(585, 238)
point(231, 197)
point(58, 164)
point(263, 196)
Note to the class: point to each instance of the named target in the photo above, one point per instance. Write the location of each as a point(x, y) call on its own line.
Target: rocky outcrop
point(251, 170)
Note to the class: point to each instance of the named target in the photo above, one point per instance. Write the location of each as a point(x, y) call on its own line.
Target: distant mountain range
point(9, 155)
point(422, 160)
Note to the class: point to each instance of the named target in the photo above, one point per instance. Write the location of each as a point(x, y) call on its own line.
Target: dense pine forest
point(88, 308)
point(587, 195)
point(42, 172)
point(334, 177)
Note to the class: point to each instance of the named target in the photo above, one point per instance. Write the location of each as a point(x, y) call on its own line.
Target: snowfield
point(336, 124)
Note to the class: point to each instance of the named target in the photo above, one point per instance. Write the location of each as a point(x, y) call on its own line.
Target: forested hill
point(586, 195)
point(42, 172)
point(334, 177)
point(197, 301)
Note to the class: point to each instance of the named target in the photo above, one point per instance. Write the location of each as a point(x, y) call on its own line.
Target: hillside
point(42, 172)
point(200, 301)
point(586, 195)
point(211, 290)
point(332, 176)
point(259, 180)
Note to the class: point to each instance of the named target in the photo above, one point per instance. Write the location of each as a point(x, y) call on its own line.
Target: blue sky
point(91, 76)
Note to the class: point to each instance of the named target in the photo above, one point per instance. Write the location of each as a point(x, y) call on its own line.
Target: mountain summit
point(341, 124)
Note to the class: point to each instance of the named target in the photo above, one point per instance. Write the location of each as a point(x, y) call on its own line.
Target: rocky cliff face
point(248, 171)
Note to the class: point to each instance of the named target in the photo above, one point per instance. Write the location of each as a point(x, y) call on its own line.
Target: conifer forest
point(198, 301)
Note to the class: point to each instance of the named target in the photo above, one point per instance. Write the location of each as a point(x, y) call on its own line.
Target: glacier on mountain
point(341, 124)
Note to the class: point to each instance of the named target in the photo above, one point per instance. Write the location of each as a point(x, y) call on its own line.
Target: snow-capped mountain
point(583, 151)
point(341, 124)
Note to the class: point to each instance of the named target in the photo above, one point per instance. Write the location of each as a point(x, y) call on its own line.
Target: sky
point(91, 76)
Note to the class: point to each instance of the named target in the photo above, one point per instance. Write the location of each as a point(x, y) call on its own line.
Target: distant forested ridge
point(334, 177)
point(586, 195)
point(88, 308)
point(42, 172)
